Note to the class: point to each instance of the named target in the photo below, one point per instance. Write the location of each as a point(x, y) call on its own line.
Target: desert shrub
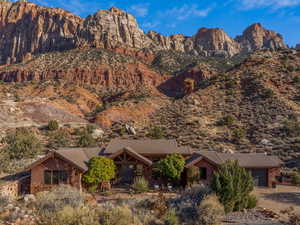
point(193, 195)
point(21, 144)
point(101, 169)
point(53, 125)
point(160, 205)
point(290, 68)
point(232, 185)
point(60, 138)
point(226, 121)
point(291, 128)
point(296, 79)
point(251, 202)
point(58, 198)
point(90, 128)
point(296, 179)
point(210, 211)
point(294, 219)
point(140, 185)
point(238, 134)
point(193, 174)
point(172, 166)
point(268, 93)
point(4, 200)
point(119, 215)
point(156, 132)
point(230, 84)
point(171, 218)
point(86, 140)
point(71, 216)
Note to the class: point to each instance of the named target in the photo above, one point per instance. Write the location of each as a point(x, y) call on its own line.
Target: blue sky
point(186, 17)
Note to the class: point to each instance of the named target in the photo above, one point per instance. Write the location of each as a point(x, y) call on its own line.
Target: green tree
point(53, 125)
point(86, 140)
point(233, 186)
point(172, 166)
point(100, 169)
point(21, 144)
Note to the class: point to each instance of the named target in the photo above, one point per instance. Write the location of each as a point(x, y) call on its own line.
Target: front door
point(126, 174)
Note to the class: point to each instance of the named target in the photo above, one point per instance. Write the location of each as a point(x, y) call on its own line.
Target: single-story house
point(137, 158)
point(264, 168)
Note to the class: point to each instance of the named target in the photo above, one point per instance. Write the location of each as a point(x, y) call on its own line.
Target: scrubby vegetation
point(85, 139)
point(210, 211)
point(140, 185)
point(53, 125)
point(22, 143)
point(59, 138)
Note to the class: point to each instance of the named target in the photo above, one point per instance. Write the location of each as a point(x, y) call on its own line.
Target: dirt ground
point(280, 198)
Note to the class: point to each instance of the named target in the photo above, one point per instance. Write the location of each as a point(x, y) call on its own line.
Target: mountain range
point(28, 29)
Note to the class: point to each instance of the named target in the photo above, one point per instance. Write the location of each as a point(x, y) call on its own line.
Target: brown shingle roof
point(245, 160)
point(147, 146)
point(79, 156)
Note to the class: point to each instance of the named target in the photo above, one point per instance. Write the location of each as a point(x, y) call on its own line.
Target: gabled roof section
point(78, 157)
point(245, 160)
point(133, 154)
point(162, 146)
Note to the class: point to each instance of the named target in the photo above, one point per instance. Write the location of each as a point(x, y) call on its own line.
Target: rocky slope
point(27, 29)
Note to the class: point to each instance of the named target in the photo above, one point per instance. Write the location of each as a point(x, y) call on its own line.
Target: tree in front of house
point(172, 166)
point(100, 170)
point(233, 186)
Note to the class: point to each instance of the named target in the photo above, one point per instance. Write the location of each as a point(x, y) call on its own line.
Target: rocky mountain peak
point(257, 37)
point(216, 42)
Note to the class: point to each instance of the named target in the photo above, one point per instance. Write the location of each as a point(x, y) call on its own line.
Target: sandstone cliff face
point(215, 42)
point(103, 69)
point(111, 28)
point(256, 37)
point(27, 29)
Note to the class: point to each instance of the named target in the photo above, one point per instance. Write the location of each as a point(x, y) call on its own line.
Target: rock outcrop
point(27, 29)
point(256, 37)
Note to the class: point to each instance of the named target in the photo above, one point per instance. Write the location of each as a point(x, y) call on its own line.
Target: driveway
point(280, 198)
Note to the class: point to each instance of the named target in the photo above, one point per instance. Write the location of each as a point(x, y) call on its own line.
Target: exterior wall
point(210, 168)
point(37, 174)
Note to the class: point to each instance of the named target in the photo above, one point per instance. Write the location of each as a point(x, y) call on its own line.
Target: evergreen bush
point(233, 186)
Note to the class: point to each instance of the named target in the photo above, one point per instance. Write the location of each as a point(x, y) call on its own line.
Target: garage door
point(259, 177)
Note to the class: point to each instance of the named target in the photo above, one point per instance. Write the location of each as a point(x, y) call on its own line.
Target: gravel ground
point(251, 217)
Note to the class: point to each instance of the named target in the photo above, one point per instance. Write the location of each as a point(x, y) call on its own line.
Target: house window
point(55, 177)
point(203, 173)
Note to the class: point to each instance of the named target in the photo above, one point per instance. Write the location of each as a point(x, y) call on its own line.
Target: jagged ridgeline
point(28, 29)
